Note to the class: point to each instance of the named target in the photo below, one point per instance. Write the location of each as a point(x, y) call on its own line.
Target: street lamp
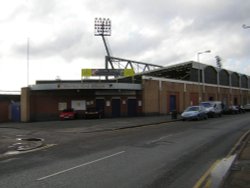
point(199, 53)
point(245, 26)
point(199, 79)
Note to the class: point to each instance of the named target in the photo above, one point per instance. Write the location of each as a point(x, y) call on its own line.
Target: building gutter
point(69, 86)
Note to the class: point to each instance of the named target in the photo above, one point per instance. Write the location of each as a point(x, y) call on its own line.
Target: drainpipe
point(159, 96)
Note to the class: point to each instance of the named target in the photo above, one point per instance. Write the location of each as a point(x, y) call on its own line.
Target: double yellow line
point(205, 181)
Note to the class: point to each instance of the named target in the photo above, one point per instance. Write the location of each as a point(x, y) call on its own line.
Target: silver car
point(213, 108)
point(194, 113)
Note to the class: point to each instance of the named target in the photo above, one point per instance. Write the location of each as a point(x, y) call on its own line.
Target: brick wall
point(157, 92)
point(4, 111)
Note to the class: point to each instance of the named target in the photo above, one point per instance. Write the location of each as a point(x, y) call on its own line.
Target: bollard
point(174, 114)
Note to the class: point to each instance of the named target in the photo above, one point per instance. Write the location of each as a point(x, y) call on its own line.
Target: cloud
point(159, 32)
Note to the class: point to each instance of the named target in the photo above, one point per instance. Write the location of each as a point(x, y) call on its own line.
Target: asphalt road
point(164, 155)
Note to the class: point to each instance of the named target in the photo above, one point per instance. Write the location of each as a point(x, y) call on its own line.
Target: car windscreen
point(192, 108)
point(206, 104)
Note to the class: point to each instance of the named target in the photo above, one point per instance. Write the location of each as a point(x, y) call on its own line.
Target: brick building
point(154, 92)
point(9, 107)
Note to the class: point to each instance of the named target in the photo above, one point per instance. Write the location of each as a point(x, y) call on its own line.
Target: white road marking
point(163, 137)
point(159, 139)
point(81, 165)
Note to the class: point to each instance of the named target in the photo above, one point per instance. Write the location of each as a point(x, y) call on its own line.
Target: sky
point(51, 39)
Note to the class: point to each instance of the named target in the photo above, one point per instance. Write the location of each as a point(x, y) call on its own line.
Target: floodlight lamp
point(102, 27)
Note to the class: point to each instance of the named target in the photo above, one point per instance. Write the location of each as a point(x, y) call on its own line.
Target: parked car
point(232, 109)
point(194, 113)
point(213, 108)
point(68, 114)
point(91, 113)
point(242, 109)
point(247, 107)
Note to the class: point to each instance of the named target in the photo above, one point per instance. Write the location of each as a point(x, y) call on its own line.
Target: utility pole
point(28, 58)
point(199, 79)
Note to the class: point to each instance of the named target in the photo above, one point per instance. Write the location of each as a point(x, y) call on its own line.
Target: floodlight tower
point(103, 28)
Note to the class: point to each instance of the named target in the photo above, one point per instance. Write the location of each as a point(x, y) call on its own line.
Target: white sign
point(62, 106)
point(140, 103)
point(78, 105)
point(107, 103)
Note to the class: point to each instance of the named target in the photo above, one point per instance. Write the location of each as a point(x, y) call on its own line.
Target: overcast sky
point(162, 32)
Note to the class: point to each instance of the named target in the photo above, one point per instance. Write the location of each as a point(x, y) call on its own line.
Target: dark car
point(92, 113)
point(232, 109)
point(247, 107)
point(68, 114)
point(242, 109)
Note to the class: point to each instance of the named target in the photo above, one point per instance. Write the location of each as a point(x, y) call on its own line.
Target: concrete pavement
point(232, 171)
point(239, 173)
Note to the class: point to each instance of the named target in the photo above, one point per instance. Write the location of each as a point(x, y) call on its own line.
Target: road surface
point(169, 155)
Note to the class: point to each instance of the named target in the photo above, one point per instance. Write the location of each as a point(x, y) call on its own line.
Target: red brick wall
point(4, 111)
point(156, 95)
point(194, 98)
point(44, 104)
point(150, 97)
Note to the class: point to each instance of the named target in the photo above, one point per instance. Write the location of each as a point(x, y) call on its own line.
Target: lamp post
point(199, 79)
point(245, 26)
point(28, 58)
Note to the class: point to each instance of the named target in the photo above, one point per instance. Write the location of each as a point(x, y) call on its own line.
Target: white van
point(213, 108)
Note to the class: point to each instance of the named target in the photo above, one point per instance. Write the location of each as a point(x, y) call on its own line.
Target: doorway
point(116, 108)
point(132, 107)
point(172, 103)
